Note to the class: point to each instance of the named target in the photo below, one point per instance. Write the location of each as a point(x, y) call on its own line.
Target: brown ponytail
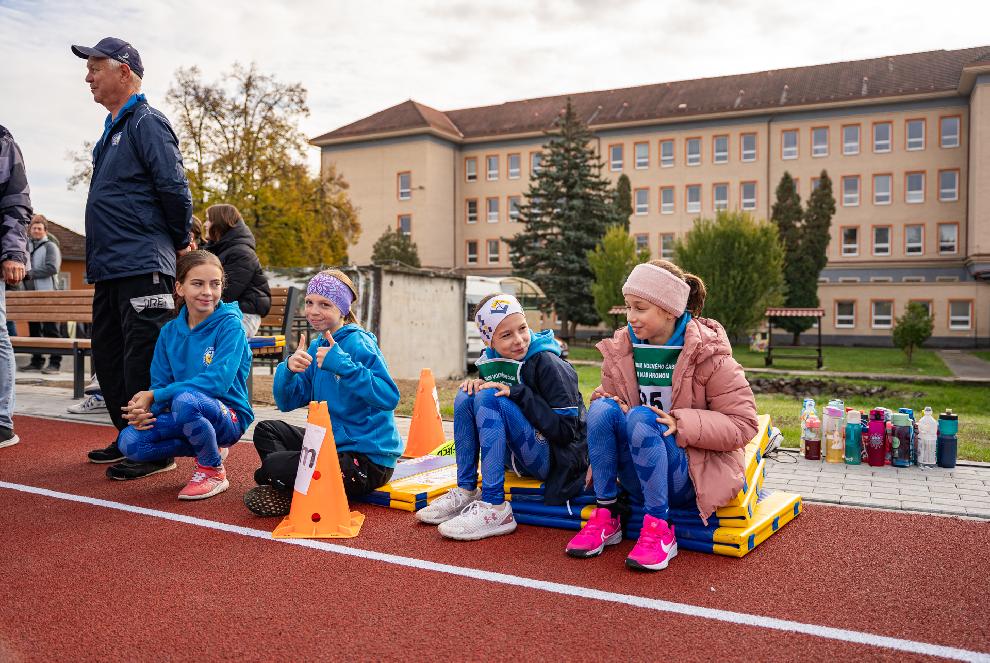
point(351, 317)
point(698, 292)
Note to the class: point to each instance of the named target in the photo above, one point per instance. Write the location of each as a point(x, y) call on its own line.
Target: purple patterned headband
point(333, 289)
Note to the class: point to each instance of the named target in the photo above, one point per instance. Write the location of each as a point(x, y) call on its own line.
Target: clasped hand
point(138, 413)
point(662, 417)
point(473, 386)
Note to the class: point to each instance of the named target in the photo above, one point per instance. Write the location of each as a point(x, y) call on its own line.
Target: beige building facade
point(905, 141)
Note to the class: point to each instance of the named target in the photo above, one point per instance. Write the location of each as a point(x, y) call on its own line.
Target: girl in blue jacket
point(345, 368)
point(197, 404)
point(525, 412)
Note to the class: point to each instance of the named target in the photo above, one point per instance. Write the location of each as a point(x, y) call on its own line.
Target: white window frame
point(514, 215)
point(958, 322)
point(665, 207)
point(467, 252)
point(667, 160)
point(720, 156)
point(914, 248)
point(850, 148)
point(955, 239)
point(641, 207)
point(919, 142)
point(942, 190)
point(497, 254)
point(692, 158)
point(878, 198)
point(942, 134)
point(535, 162)
point(882, 248)
point(874, 324)
point(468, 175)
point(917, 196)
point(747, 154)
point(846, 249)
point(847, 198)
point(467, 210)
point(668, 252)
point(406, 193)
point(491, 174)
point(720, 203)
point(642, 242)
point(615, 165)
point(509, 169)
point(819, 150)
point(404, 232)
point(878, 144)
point(788, 152)
point(692, 207)
point(644, 162)
point(489, 212)
point(847, 320)
point(748, 203)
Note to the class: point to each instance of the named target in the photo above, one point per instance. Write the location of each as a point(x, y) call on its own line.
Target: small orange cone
point(319, 506)
point(426, 431)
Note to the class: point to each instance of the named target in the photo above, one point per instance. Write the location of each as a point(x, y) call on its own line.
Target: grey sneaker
point(448, 506)
point(51, 370)
point(480, 520)
point(88, 405)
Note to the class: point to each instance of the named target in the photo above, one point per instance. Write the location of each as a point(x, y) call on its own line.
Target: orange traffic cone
point(426, 431)
point(319, 506)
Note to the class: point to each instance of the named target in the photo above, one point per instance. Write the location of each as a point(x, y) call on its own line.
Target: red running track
point(84, 582)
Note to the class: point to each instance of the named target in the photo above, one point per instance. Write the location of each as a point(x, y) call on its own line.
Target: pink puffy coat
point(712, 404)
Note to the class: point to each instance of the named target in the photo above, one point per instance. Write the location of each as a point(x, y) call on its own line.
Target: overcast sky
point(356, 58)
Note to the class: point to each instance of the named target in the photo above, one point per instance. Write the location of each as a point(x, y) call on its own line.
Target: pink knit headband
point(658, 286)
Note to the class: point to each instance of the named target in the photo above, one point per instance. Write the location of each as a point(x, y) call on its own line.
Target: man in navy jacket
point(138, 218)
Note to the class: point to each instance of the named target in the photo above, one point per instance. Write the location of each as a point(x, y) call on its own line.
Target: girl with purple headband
point(344, 367)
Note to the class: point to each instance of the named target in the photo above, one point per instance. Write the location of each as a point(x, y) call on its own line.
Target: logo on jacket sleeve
point(208, 356)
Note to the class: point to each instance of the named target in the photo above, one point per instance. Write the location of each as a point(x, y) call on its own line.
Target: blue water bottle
point(914, 433)
point(854, 438)
point(947, 444)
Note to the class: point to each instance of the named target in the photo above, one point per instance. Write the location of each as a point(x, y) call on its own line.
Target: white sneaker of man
point(89, 405)
point(480, 520)
point(448, 506)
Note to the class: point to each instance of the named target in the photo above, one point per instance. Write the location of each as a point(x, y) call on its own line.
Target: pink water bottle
point(876, 431)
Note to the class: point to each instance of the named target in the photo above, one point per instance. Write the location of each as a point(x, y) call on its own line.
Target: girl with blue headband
point(344, 367)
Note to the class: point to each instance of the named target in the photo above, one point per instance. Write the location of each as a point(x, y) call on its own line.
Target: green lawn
point(583, 353)
point(852, 360)
point(982, 354)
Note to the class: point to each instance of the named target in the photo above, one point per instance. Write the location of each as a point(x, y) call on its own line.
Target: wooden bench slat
point(55, 343)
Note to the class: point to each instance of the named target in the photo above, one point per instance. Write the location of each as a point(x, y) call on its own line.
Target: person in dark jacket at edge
point(15, 214)
point(138, 219)
point(42, 275)
point(229, 238)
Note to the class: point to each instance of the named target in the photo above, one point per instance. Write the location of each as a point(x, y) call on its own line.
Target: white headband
point(495, 310)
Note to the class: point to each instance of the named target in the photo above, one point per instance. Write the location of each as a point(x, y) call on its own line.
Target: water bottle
point(947, 443)
point(832, 434)
point(900, 441)
point(914, 433)
point(854, 438)
point(874, 447)
point(927, 434)
point(812, 438)
point(807, 408)
point(888, 434)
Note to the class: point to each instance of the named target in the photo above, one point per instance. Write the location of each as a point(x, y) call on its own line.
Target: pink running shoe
point(655, 548)
point(600, 531)
point(205, 482)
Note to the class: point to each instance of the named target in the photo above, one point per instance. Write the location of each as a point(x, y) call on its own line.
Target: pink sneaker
point(600, 531)
point(655, 548)
point(205, 482)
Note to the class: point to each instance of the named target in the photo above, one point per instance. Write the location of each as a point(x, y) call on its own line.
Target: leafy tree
point(394, 246)
point(741, 262)
point(611, 262)
point(623, 199)
point(567, 209)
point(912, 329)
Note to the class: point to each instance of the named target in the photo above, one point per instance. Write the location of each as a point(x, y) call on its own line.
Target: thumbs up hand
point(322, 351)
point(300, 359)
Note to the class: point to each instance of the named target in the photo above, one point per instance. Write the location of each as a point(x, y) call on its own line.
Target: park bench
point(77, 306)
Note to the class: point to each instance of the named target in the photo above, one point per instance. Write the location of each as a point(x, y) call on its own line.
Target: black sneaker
point(7, 437)
point(32, 367)
point(267, 501)
point(51, 370)
point(109, 454)
point(129, 469)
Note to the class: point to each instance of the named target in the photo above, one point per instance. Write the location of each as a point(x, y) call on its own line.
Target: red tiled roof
point(71, 243)
point(859, 80)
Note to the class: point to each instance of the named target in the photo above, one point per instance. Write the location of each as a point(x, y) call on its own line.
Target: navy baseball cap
point(115, 49)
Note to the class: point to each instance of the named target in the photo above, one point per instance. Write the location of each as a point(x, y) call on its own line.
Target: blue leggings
point(499, 425)
point(196, 426)
point(632, 448)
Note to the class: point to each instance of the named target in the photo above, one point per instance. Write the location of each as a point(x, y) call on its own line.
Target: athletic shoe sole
point(585, 554)
point(9, 443)
point(167, 468)
point(638, 566)
point(267, 502)
point(219, 488)
point(507, 528)
point(102, 460)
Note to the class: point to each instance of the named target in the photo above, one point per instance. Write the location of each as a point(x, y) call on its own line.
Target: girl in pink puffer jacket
point(670, 419)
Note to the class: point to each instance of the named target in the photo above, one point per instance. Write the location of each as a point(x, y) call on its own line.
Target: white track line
point(745, 619)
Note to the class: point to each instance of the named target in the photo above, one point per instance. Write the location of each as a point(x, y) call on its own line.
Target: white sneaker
point(88, 405)
point(480, 520)
point(448, 506)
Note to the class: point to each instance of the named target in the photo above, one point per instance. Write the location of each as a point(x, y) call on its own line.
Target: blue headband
point(326, 285)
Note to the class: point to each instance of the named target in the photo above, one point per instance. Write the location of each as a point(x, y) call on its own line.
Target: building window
point(948, 185)
point(915, 130)
point(914, 187)
point(819, 142)
point(667, 153)
point(667, 200)
point(667, 246)
point(924, 303)
point(615, 157)
point(948, 131)
point(693, 198)
point(913, 279)
point(850, 241)
point(883, 314)
point(720, 149)
point(494, 251)
point(720, 196)
point(405, 224)
point(960, 314)
point(881, 189)
point(693, 148)
point(515, 166)
point(642, 243)
point(914, 240)
point(881, 136)
point(845, 315)
point(881, 279)
point(535, 162)
point(472, 252)
point(471, 210)
point(471, 169)
point(881, 240)
point(641, 151)
point(850, 190)
point(789, 144)
point(850, 139)
point(748, 195)
point(814, 183)
point(848, 279)
point(514, 208)
point(642, 198)
point(491, 205)
point(948, 238)
point(747, 147)
point(491, 167)
point(405, 185)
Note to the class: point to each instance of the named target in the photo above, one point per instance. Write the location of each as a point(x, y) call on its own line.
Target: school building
point(905, 140)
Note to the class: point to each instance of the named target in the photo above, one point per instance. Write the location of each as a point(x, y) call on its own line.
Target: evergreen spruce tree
point(623, 199)
point(566, 211)
point(395, 247)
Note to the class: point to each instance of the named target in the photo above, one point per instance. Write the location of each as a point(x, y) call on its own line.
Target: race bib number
point(503, 371)
point(655, 373)
point(312, 441)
